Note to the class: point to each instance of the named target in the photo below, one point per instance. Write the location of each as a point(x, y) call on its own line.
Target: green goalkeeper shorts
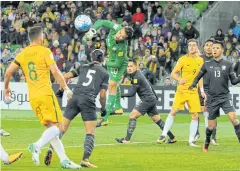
point(116, 74)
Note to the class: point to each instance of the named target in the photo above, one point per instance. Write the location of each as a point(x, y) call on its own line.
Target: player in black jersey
point(219, 73)
point(143, 88)
point(92, 79)
point(207, 56)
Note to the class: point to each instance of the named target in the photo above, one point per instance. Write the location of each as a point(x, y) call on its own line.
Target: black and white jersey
point(142, 87)
point(91, 79)
point(219, 73)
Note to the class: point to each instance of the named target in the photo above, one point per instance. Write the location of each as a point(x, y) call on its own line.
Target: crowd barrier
point(165, 94)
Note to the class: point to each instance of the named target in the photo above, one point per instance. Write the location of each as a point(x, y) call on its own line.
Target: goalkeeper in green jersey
point(117, 45)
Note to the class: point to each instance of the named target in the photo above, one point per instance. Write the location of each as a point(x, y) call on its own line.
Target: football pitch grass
point(142, 154)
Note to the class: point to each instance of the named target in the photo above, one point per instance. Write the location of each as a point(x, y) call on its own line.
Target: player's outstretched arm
point(234, 80)
point(199, 76)
point(132, 92)
point(13, 67)
point(103, 23)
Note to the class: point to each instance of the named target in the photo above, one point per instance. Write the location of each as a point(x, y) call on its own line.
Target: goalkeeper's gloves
point(90, 34)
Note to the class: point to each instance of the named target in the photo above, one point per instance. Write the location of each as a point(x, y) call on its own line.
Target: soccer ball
point(83, 23)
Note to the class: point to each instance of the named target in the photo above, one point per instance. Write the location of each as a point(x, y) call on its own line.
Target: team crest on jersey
point(223, 67)
point(135, 81)
point(120, 53)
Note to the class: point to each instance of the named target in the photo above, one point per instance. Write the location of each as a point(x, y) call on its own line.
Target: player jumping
point(219, 73)
point(147, 104)
point(117, 44)
point(188, 67)
point(36, 62)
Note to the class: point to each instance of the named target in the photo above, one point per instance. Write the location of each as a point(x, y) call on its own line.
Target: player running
point(219, 73)
point(37, 62)
point(4, 156)
point(188, 67)
point(92, 79)
point(117, 44)
point(147, 104)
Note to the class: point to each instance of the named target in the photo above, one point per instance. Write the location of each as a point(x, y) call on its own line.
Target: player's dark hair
point(218, 42)
point(129, 31)
point(34, 32)
point(192, 40)
point(97, 55)
point(133, 60)
point(209, 40)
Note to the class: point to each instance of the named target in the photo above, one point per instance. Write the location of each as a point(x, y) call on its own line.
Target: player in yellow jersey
point(37, 62)
point(188, 67)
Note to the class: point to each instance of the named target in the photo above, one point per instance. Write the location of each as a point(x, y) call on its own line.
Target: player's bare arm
point(175, 76)
point(200, 84)
point(60, 79)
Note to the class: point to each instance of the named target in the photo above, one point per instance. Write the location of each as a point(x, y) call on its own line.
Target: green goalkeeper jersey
point(117, 50)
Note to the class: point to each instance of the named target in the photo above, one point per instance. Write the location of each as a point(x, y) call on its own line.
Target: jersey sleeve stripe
point(16, 62)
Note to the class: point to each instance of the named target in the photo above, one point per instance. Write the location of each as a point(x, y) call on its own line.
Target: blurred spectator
point(190, 32)
point(188, 12)
point(5, 23)
point(234, 43)
point(148, 74)
point(27, 22)
point(17, 23)
point(153, 66)
point(230, 35)
point(236, 29)
point(3, 35)
point(228, 49)
point(149, 15)
point(116, 11)
point(167, 82)
point(158, 19)
point(84, 60)
point(81, 52)
point(126, 81)
point(138, 16)
point(22, 36)
point(234, 22)
point(161, 56)
point(89, 48)
point(165, 30)
point(57, 23)
point(57, 54)
point(234, 57)
point(173, 45)
point(60, 61)
point(6, 56)
point(12, 14)
point(127, 16)
point(145, 29)
point(219, 35)
point(64, 37)
point(137, 33)
point(33, 14)
point(170, 13)
point(176, 29)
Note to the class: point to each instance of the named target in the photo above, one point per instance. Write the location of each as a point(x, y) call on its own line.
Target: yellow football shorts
point(191, 98)
point(47, 109)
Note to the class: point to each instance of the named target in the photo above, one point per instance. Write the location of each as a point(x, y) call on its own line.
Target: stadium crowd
point(159, 39)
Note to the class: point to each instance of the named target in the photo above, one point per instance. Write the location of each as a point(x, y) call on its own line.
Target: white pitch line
point(96, 145)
